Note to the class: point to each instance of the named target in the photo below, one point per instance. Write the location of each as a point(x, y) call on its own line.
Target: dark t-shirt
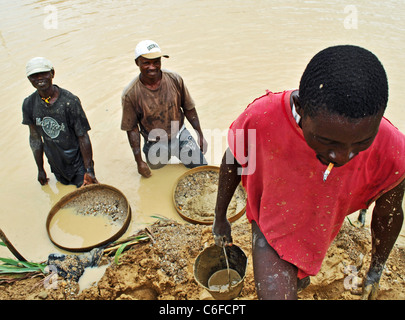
point(60, 125)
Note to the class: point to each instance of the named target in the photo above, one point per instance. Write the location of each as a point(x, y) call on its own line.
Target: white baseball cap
point(148, 49)
point(37, 65)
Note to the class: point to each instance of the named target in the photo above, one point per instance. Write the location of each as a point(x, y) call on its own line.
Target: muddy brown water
point(228, 52)
point(72, 230)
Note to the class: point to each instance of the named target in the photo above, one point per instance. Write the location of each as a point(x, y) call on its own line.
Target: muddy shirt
point(59, 125)
point(155, 109)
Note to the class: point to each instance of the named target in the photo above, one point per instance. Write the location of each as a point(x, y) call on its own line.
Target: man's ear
point(297, 104)
point(136, 62)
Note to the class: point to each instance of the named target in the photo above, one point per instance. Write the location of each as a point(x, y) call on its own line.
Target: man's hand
point(134, 138)
point(227, 184)
point(43, 180)
point(371, 284)
point(221, 230)
point(143, 169)
point(203, 144)
point(89, 178)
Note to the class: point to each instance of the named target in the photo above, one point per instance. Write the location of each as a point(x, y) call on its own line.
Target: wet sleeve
point(387, 166)
point(129, 119)
point(187, 102)
point(78, 120)
point(242, 138)
point(27, 117)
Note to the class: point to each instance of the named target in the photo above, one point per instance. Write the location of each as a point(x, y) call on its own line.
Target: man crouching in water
point(336, 117)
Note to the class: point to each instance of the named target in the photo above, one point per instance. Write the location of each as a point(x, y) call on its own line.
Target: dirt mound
point(162, 269)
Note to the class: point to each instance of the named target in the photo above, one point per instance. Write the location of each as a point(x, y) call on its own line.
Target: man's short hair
point(345, 80)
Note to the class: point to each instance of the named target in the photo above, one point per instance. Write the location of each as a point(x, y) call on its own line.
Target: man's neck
point(151, 83)
point(47, 93)
point(50, 95)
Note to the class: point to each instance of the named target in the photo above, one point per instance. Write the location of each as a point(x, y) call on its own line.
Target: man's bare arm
point(37, 147)
point(386, 225)
point(229, 180)
point(134, 138)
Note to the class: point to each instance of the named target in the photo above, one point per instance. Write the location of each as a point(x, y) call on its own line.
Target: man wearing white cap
point(58, 126)
point(155, 105)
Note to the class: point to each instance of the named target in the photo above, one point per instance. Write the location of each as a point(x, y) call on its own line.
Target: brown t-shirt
point(155, 109)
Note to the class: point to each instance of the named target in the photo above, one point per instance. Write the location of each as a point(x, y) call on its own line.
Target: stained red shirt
point(297, 211)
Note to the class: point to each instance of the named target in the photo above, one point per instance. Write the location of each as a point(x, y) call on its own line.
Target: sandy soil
point(162, 269)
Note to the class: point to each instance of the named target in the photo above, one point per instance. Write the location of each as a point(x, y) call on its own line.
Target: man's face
point(150, 68)
point(41, 81)
point(338, 139)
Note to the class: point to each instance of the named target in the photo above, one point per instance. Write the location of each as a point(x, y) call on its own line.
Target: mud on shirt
point(155, 109)
point(59, 125)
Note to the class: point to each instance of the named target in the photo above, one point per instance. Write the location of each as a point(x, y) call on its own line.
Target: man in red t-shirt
point(283, 143)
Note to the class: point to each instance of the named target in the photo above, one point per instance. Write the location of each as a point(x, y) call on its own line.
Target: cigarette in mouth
point(327, 171)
